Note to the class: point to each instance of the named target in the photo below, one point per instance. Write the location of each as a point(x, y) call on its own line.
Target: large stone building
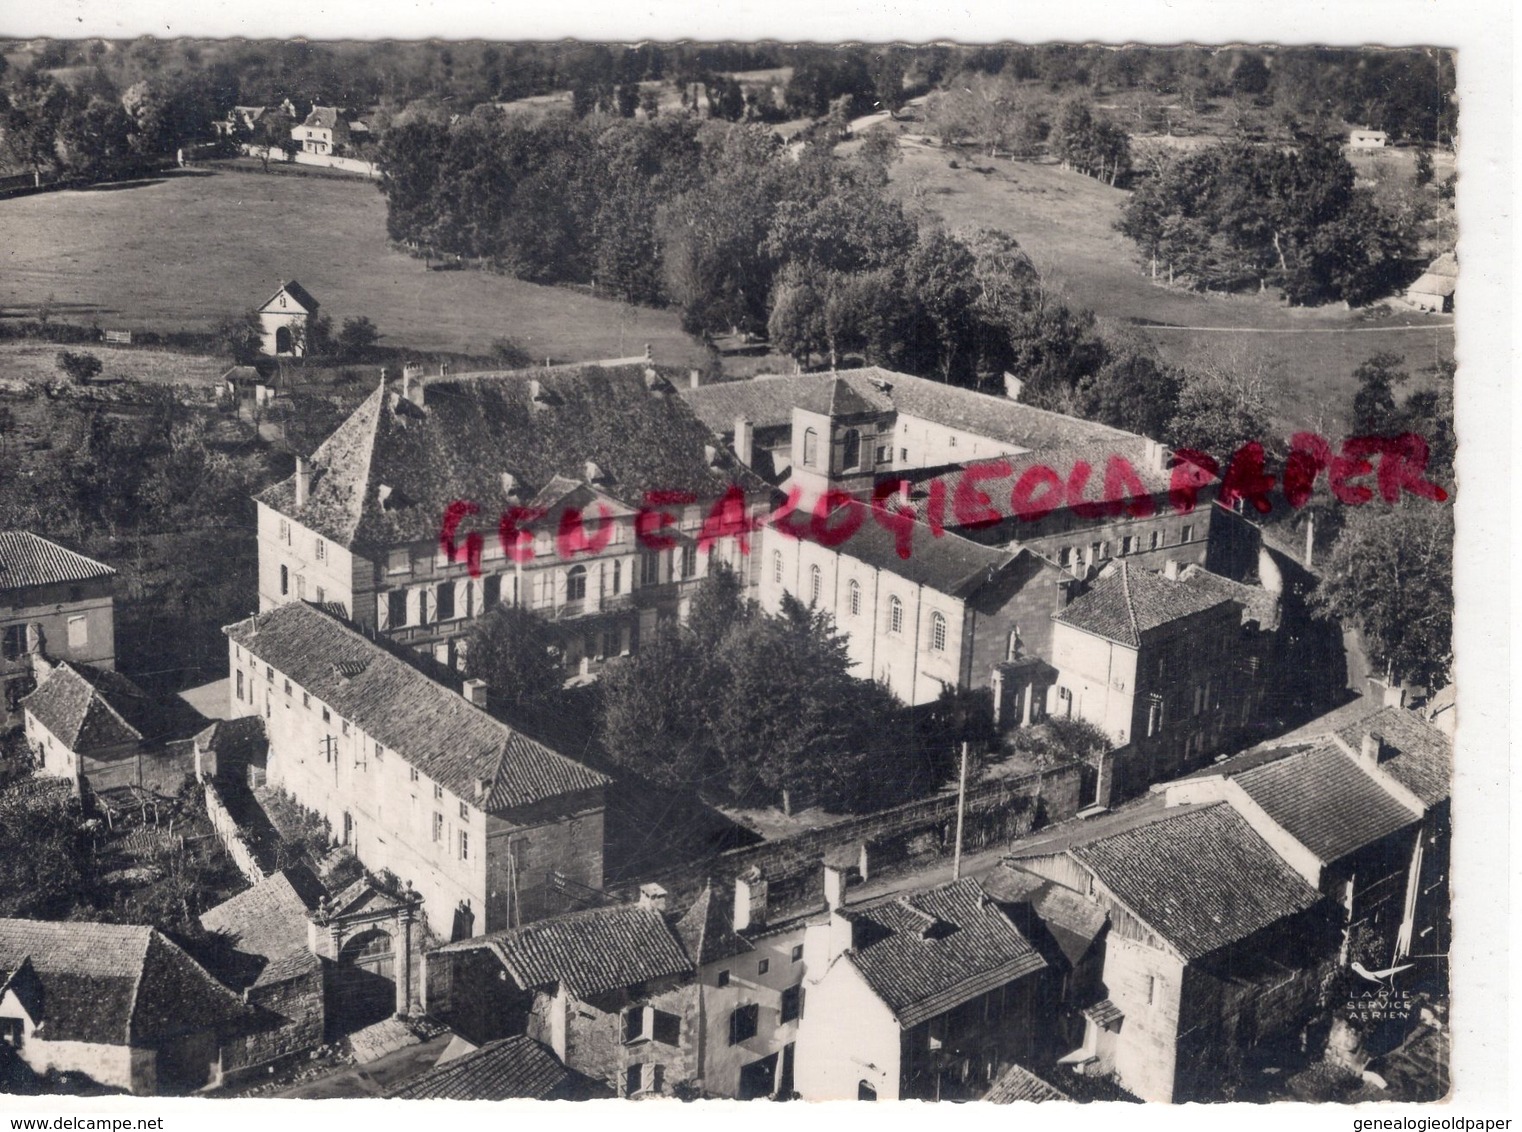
point(477, 817)
point(572, 455)
point(54, 604)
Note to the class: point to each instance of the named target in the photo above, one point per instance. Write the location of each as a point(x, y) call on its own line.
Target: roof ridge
point(137, 983)
point(1125, 587)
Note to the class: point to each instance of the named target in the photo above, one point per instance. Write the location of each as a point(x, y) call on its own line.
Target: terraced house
point(477, 817)
point(570, 453)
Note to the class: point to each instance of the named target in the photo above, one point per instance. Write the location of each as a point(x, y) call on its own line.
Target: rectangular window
point(798, 953)
point(445, 604)
point(464, 845)
point(689, 561)
point(649, 568)
point(321, 595)
point(763, 967)
point(301, 587)
point(322, 550)
point(882, 453)
point(723, 979)
point(399, 561)
point(380, 753)
point(288, 687)
point(634, 1025)
point(1151, 989)
point(15, 642)
point(79, 632)
point(1155, 539)
point(285, 580)
point(306, 700)
point(665, 1027)
point(285, 532)
point(438, 826)
point(634, 1080)
point(491, 592)
point(742, 1023)
point(464, 812)
point(412, 774)
point(345, 724)
point(1187, 534)
point(1065, 557)
point(240, 683)
point(269, 674)
point(396, 609)
point(438, 791)
point(792, 1003)
point(903, 455)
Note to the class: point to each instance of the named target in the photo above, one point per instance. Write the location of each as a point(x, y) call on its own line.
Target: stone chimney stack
point(1374, 750)
point(745, 440)
point(475, 691)
point(694, 378)
point(750, 899)
point(834, 886)
point(1170, 569)
point(653, 896)
point(303, 481)
point(1013, 386)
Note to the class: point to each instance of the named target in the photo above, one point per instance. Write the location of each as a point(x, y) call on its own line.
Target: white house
point(283, 319)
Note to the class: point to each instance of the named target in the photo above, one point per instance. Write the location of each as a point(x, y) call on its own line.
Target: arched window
point(855, 599)
point(810, 447)
point(851, 454)
point(816, 581)
point(777, 567)
point(937, 633)
point(895, 615)
point(576, 583)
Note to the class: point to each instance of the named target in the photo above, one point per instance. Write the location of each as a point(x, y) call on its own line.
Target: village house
point(516, 1068)
point(571, 453)
point(1364, 138)
point(1215, 945)
point(118, 1003)
point(283, 319)
point(608, 990)
point(413, 777)
point(938, 985)
point(1435, 289)
point(1156, 662)
point(54, 604)
point(327, 130)
point(95, 728)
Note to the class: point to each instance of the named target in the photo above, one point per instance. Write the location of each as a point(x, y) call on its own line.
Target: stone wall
point(292, 1016)
point(232, 837)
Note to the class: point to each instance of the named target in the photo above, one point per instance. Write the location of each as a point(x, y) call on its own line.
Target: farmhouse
point(283, 319)
point(1368, 139)
point(412, 776)
point(55, 604)
point(1435, 289)
point(326, 130)
point(118, 1003)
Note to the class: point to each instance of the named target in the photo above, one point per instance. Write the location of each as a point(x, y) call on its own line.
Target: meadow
point(186, 250)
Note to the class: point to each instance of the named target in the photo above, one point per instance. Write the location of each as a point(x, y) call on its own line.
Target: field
point(36, 362)
point(186, 250)
point(1065, 222)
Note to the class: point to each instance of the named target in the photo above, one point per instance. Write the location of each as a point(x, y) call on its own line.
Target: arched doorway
point(283, 340)
point(366, 979)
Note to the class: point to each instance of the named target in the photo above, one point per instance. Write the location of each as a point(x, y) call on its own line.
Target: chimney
point(694, 378)
point(1065, 592)
point(1158, 455)
point(652, 896)
point(303, 481)
point(750, 899)
point(1374, 749)
point(1013, 386)
point(1170, 569)
point(475, 691)
point(1310, 540)
point(591, 472)
point(745, 440)
point(382, 494)
point(711, 455)
point(482, 786)
point(834, 887)
point(509, 485)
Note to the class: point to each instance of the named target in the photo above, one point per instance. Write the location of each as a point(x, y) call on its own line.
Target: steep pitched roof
point(31, 560)
point(1073, 922)
point(472, 428)
point(242, 740)
point(298, 294)
point(1423, 759)
point(1325, 801)
point(268, 924)
point(593, 951)
point(512, 1068)
point(325, 117)
point(1018, 1083)
point(1125, 603)
point(768, 402)
point(1258, 604)
point(83, 710)
point(930, 951)
point(115, 984)
point(1201, 881)
point(427, 724)
point(707, 930)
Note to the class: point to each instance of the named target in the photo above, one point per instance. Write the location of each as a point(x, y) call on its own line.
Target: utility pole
point(956, 861)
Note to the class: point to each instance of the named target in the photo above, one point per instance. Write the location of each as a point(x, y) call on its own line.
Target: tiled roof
point(297, 292)
point(1236, 764)
point(323, 116)
point(30, 560)
point(429, 726)
point(1018, 1083)
point(476, 427)
point(1446, 265)
point(768, 402)
point(1433, 284)
point(1072, 921)
point(1258, 604)
point(267, 923)
point(114, 984)
point(707, 930)
point(930, 951)
point(1125, 603)
point(1325, 801)
point(600, 949)
point(81, 714)
point(243, 739)
point(1423, 762)
point(515, 1068)
point(1202, 880)
point(1103, 1013)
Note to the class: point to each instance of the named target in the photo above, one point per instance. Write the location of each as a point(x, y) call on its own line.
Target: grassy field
point(36, 361)
point(1066, 223)
point(184, 251)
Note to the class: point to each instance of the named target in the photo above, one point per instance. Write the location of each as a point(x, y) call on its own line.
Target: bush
point(80, 367)
point(510, 354)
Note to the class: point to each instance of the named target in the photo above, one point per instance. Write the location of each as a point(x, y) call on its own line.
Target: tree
point(796, 325)
point(1134, 391)
point(1222, 404)
point(43, 854)
point(7, 426)
point(515, 651)
point(509, 353)
point(96, 141)
point(357, 337)
point(653, 724)
point(1374, 408)
point(718, 605)
point(241, 336)
point(1390, 575)
point(80, 367)
point(1423, 167)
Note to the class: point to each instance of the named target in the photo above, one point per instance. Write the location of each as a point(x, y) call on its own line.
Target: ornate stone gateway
point(372, 939)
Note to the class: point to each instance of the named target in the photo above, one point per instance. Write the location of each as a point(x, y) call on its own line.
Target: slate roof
point(268, 924)
point(297, 292)
point(1201, 881)
point(30, 560)
point(928, 952)
point(593, 951)
point(1325, 801)
point(515, 1068)
point(1018, 1083)
point(1423, 763)
point(475, 427)
point(707, 930)
point(431, 727)
point(115, 984)
point(768, 402)
point(1127, 602)
point(1258, 604)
